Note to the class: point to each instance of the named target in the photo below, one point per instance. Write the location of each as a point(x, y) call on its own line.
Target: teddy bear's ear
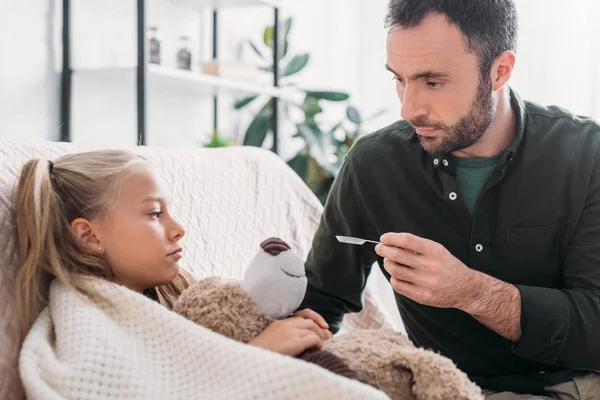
point(223, 307)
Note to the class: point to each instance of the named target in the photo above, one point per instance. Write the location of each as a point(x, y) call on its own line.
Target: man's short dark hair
point(489, 26)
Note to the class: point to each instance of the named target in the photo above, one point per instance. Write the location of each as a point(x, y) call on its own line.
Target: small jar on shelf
point(154, 44)
point(184, 55)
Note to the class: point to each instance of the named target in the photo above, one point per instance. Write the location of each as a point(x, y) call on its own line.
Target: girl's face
point(139, 237)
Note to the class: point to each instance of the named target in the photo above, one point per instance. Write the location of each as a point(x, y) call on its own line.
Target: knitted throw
point(139, 349)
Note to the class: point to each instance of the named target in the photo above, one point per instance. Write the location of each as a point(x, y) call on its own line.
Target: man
point(488, 209)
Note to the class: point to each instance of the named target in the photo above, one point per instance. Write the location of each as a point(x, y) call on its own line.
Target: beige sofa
point(229, 200)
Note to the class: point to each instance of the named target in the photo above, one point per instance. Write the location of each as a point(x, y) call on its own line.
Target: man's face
point(439, 85)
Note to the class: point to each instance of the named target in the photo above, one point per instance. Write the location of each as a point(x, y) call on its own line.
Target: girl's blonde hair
point(49, 195)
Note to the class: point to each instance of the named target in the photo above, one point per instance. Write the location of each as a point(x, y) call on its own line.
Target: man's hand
point(425, 271)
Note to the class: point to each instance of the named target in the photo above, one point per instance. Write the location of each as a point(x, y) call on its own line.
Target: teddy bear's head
point(273, 287)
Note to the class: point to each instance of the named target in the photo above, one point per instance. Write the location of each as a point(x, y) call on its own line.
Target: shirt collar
point(507, 155)
point(518, 107)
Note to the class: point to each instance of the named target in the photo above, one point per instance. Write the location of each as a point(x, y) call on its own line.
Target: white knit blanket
point(141, 350)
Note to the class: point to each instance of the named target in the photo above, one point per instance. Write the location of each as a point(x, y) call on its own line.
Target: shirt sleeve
point(337, 273)
point(561, 326)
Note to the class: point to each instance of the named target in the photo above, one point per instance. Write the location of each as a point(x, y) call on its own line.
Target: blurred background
point(332, 49)
point(195, 73)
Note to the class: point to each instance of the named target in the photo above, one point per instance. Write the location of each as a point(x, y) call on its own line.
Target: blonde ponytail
point(48, 197)
point(37, 206)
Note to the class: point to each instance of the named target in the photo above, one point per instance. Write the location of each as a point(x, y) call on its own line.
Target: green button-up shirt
point(536, 225)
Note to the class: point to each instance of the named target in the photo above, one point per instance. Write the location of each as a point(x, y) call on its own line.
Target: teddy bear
point(274, 286)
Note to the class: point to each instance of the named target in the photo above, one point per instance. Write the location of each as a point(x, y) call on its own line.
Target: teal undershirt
point(472, 175)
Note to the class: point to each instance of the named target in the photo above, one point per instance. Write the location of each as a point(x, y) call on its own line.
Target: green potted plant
point(322, 154)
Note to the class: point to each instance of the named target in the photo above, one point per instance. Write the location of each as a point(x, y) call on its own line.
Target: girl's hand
point(307, 313)
point(290, 336)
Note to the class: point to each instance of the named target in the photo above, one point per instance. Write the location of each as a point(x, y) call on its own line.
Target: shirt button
point(478, 248)
point(436, 161)
point(453, 196)
point(445, 162)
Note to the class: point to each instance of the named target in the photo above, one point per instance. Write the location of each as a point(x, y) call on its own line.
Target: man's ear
point(87, 234)
point(502, 70)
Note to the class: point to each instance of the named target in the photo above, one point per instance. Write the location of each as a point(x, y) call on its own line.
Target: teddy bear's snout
point(274, 246)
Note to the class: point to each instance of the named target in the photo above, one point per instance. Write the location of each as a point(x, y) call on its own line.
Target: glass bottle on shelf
point(184, 55)
point(154, 45)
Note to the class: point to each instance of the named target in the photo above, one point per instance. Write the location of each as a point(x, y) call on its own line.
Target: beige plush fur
point(391, 362)
point(223, 307)
point(385, 359)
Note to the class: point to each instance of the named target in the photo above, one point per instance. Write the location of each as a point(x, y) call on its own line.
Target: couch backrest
point(229, 200)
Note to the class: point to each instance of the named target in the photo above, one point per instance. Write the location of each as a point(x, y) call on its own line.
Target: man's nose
point(413, 104)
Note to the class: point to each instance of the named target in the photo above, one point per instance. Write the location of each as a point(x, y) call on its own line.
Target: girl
point(104, 215)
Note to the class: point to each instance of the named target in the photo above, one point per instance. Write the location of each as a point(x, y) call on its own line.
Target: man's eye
point(435, 85)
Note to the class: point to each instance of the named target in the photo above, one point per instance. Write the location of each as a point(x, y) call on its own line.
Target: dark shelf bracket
point(141, 72)
point(66, 74)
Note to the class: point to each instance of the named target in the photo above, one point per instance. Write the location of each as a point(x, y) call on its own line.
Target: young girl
point(104, 215)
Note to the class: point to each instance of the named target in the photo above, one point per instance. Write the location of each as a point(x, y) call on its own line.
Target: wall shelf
point(191, 83)
point(144, 77)
point(219, 4)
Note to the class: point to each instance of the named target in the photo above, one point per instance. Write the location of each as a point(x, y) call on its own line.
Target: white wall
point(558, 59)
point(29, 84)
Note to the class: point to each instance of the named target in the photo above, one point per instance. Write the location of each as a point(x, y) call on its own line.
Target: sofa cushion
point(229, 200)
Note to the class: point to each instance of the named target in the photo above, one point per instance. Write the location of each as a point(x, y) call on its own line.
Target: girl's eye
point(156, 214)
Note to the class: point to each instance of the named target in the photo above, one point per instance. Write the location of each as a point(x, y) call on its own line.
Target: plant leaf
point(296, 64)
point(218, 141)
point(315, 141)
point(311, 107)
point(353, 115)
point(259, 127)
point(312, 135)
point(241, 103)
point(286, 46)
point(332, 137)
point(268, 36)
point(299, 163)
point(328, 95)
point(266, 69)
point(256, 50)
point(334, 128)
point(287, 26)
point(375, 115)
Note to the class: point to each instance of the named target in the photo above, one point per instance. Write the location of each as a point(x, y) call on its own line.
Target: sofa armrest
point(372, 316)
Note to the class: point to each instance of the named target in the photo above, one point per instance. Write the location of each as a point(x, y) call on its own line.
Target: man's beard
point(467, 131)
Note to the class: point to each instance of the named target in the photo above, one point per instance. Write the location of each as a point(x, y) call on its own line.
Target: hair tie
point(50, 166)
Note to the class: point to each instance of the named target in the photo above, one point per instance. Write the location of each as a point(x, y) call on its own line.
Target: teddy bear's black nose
point(274, 246)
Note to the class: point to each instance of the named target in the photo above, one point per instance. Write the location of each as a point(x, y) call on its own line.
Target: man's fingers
point(400, 272)
point(411, 291)
point(398, 255)
point(408, 242)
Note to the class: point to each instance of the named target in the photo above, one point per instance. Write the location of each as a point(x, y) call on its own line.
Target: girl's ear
point(87, 234)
